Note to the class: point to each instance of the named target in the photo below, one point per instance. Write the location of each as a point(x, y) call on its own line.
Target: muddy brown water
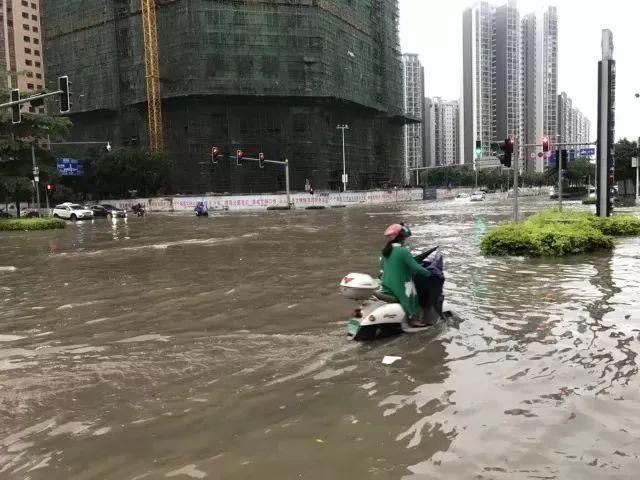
point(177, 347)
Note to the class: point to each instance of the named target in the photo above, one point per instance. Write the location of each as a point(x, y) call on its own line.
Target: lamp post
point(345, 179)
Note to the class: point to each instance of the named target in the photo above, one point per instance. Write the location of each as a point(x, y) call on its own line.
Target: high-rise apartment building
point(540, 80)
point(510, 78)
point(508, 84)
point(21, 45)
point(443, 119)
point(573, 125)
point(413, 85)
point(478, 89)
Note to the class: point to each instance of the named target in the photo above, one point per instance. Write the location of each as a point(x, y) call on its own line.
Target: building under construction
point(272, 76)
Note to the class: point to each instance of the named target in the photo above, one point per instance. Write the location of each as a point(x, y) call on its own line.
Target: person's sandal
point(417, 323)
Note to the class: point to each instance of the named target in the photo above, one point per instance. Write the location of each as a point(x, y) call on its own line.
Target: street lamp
point(345, 179)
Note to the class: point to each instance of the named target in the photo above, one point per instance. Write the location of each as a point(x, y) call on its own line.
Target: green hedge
point(23, 224)
point(555, 233)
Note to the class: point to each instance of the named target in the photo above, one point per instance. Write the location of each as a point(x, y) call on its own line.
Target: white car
point(477, 196)
point(72, 211)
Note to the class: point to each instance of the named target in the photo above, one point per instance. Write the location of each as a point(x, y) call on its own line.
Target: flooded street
point(178, 347)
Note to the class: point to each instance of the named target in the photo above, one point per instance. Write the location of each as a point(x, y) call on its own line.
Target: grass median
point(555, 234)
point(29, 224)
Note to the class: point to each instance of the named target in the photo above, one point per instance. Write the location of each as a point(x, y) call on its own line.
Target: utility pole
point(345, 179)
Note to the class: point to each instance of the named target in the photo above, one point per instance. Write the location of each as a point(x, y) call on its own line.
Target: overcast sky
point(433, 29)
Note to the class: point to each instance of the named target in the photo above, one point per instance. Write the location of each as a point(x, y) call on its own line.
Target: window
point(38, 64)
point(36, 53)
point(34, 6)
point(35, 29)
point(27, 39)
point(28, 62)
point(41, 110)
point(30, 86)
point(25, 15)
point(25, 3)
point(40, 87)
point(34, 18)
point(29, 74)
point(36, 41)
point(26, 27)
point(39, 76)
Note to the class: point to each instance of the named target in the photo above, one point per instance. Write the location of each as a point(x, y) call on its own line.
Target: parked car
point(72, 211)
point(477, 196)
point(109, 211)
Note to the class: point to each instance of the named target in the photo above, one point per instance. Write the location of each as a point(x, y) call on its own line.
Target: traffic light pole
point(30, 99)
point(286, 173)
point(559, 160)
point(515, 192)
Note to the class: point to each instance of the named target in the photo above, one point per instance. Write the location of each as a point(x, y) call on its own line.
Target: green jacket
point(397, 278)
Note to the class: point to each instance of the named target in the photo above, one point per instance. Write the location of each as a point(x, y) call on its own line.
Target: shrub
point(24, 224)
point(555, 233)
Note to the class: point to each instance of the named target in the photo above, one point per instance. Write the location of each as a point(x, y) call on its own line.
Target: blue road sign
point(587, 152)
point(552, 157)
point(70, 167)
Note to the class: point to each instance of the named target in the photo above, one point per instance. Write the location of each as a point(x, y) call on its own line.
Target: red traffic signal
point(545, 144)
point(261, 160)
point(239, 157)
point(51, 188)
point(215, 153)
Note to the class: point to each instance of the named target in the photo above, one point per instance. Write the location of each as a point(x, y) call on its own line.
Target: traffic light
point(478, 148)
point(215, 154)
point(504, 151)
point(564, 157)
point(239, 157)
point(545, 144)
point(65, 94)
point(508, 151)
point(261, 160)
point(51, 188)
point(16, 116)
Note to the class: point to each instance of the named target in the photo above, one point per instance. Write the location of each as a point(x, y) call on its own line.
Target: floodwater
point(177, 347)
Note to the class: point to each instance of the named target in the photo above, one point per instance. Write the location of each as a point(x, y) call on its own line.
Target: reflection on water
point(180, 347)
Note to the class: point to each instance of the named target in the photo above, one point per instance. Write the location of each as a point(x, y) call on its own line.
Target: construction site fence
point(263, 202)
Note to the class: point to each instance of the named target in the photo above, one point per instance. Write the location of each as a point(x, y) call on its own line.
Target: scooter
point(379, 315)
point(138, 210)
point(201, 212)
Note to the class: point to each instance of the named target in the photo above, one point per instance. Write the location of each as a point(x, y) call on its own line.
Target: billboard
point(70, 167)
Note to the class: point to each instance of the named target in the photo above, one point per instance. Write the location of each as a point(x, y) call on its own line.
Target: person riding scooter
point(399, 268)
point(201, 210)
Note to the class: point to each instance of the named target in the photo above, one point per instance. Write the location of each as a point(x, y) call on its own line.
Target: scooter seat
point(385, 297)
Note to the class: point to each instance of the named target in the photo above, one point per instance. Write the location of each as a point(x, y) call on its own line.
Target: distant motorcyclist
point(398, 270)
point(201, 209)
point(138, 209)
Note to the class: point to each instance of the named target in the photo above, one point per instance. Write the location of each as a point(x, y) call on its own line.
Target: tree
point(578, 172)
point(16, 141)
point(126, 169)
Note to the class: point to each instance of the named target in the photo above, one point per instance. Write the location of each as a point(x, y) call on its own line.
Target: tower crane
point(151, 61)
